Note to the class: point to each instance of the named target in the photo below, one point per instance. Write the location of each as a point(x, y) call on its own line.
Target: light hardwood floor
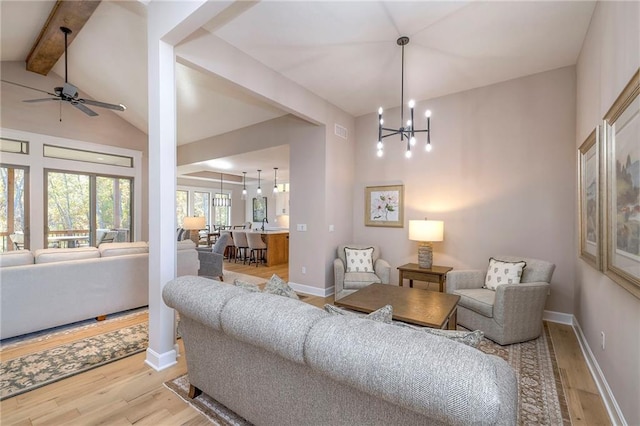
point(128, 392)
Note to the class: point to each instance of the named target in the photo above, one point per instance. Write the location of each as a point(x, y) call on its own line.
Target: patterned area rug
point(541, 399)
point(31, 371)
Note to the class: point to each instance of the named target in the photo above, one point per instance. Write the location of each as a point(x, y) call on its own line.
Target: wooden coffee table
point(410, 305)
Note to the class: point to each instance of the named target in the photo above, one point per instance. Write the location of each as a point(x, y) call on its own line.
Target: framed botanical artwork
point(259, 209)
point(589, 199)
point(622, 188)
point(384, 206)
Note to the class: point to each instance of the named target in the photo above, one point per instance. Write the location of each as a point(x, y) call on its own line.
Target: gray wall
point(501, 176)
point(610, 56)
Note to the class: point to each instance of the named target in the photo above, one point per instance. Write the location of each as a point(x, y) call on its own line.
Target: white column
point(162, 352)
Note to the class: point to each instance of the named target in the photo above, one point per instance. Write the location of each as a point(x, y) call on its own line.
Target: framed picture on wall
point(259, 209)
point(589, 199)
point(384, 206)
point(622, 188)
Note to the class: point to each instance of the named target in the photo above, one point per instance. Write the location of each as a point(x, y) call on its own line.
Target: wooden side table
point(411, 271)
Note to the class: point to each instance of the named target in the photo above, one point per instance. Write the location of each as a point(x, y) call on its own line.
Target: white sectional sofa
point(51, 287)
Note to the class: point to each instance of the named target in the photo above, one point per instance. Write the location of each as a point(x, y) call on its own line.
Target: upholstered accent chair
point(347, 281)
point(211, 264)
point(511, 313)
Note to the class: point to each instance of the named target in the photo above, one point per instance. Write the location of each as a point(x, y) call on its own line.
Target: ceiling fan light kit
point(406, 131)
point(68, 92)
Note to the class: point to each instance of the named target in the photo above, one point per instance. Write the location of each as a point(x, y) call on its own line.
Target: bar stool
point(230, 250)
point(254, 239)
point(241, 246)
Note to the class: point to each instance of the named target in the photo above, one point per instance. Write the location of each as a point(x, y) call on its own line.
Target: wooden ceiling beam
point(49, 46)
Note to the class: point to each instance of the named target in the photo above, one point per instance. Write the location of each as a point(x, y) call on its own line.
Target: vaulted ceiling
point(344, 52)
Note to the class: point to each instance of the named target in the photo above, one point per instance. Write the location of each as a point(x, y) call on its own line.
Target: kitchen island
point(277, 242)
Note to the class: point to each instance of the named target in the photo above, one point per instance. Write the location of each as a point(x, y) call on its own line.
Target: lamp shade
point(426, 230)
point(194, 222)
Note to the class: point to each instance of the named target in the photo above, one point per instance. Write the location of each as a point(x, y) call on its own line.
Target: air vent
point(341, 131)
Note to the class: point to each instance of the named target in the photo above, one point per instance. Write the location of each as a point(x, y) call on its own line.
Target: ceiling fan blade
point(41, 100)
point(102, 104)
point(84, 109)
point(27, 87)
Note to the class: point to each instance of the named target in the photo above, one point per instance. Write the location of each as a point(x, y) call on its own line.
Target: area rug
point(541, 400)
point(36, 369)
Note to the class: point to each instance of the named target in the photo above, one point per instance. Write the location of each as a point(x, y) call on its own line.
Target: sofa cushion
point(277, 285)
point(246, 285)
point(274, 323)
point(186, 245)
point(61, 254)
point(359, 260)
point(16, 258)
point(355, 280)
point(120, 249)
point(480, 300)
point(469, 338)
point(503, 272)
point(384, 314)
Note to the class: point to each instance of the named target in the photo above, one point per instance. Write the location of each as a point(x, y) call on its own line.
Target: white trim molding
point(615, 414)
point(314, 291)
point(559, 317)
point(161, 362)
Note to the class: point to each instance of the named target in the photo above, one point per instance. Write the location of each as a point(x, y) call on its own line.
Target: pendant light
point(221, 201)
point(275, 180)
point(244, 186)
point(259, 191)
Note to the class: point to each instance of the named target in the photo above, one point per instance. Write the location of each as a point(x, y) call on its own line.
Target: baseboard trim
point(313, 291)
point(162, 361)
point(559, 317)
point(615, 414)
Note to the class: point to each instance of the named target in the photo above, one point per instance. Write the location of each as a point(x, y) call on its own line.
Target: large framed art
point(259, 209)
point(384, 206)
point(589, 199)
point(622, 188)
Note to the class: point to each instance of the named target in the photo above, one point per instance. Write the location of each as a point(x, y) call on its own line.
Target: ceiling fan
point(68, 92)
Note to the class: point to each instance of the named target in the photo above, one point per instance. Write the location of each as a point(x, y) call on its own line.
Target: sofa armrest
point(465, 279)
point(520, 303)
point(210, 264)
point(383, 270)
point(338, 276)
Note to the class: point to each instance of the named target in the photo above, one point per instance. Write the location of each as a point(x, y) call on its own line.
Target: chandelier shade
point(407, 131)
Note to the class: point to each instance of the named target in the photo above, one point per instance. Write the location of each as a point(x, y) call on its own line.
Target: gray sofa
point(280, 361)
point(52, 287)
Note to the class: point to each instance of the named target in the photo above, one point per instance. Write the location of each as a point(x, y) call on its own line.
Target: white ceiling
point(345, 52)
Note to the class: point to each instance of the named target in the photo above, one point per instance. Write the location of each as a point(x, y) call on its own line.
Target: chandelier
point(221, 200)
point(408, 132)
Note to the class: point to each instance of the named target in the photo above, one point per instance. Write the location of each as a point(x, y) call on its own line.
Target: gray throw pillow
point(383, 314)
point(247, 286)
point(469, 338)
point(277, 285)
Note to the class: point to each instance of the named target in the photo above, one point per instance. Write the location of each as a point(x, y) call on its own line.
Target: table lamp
point(194, 223)
point(425, 232)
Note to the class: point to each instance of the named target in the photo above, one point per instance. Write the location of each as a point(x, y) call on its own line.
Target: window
point(182, 206)
point(13, 210)
point(201, 205)
point(222, 214)
point(84, 209)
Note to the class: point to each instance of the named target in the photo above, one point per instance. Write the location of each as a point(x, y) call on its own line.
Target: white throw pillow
point(359, 260)
point(500, 273)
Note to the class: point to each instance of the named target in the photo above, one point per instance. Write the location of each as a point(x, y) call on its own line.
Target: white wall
point(501, 176)
point(610, 56)
point(44, 119)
